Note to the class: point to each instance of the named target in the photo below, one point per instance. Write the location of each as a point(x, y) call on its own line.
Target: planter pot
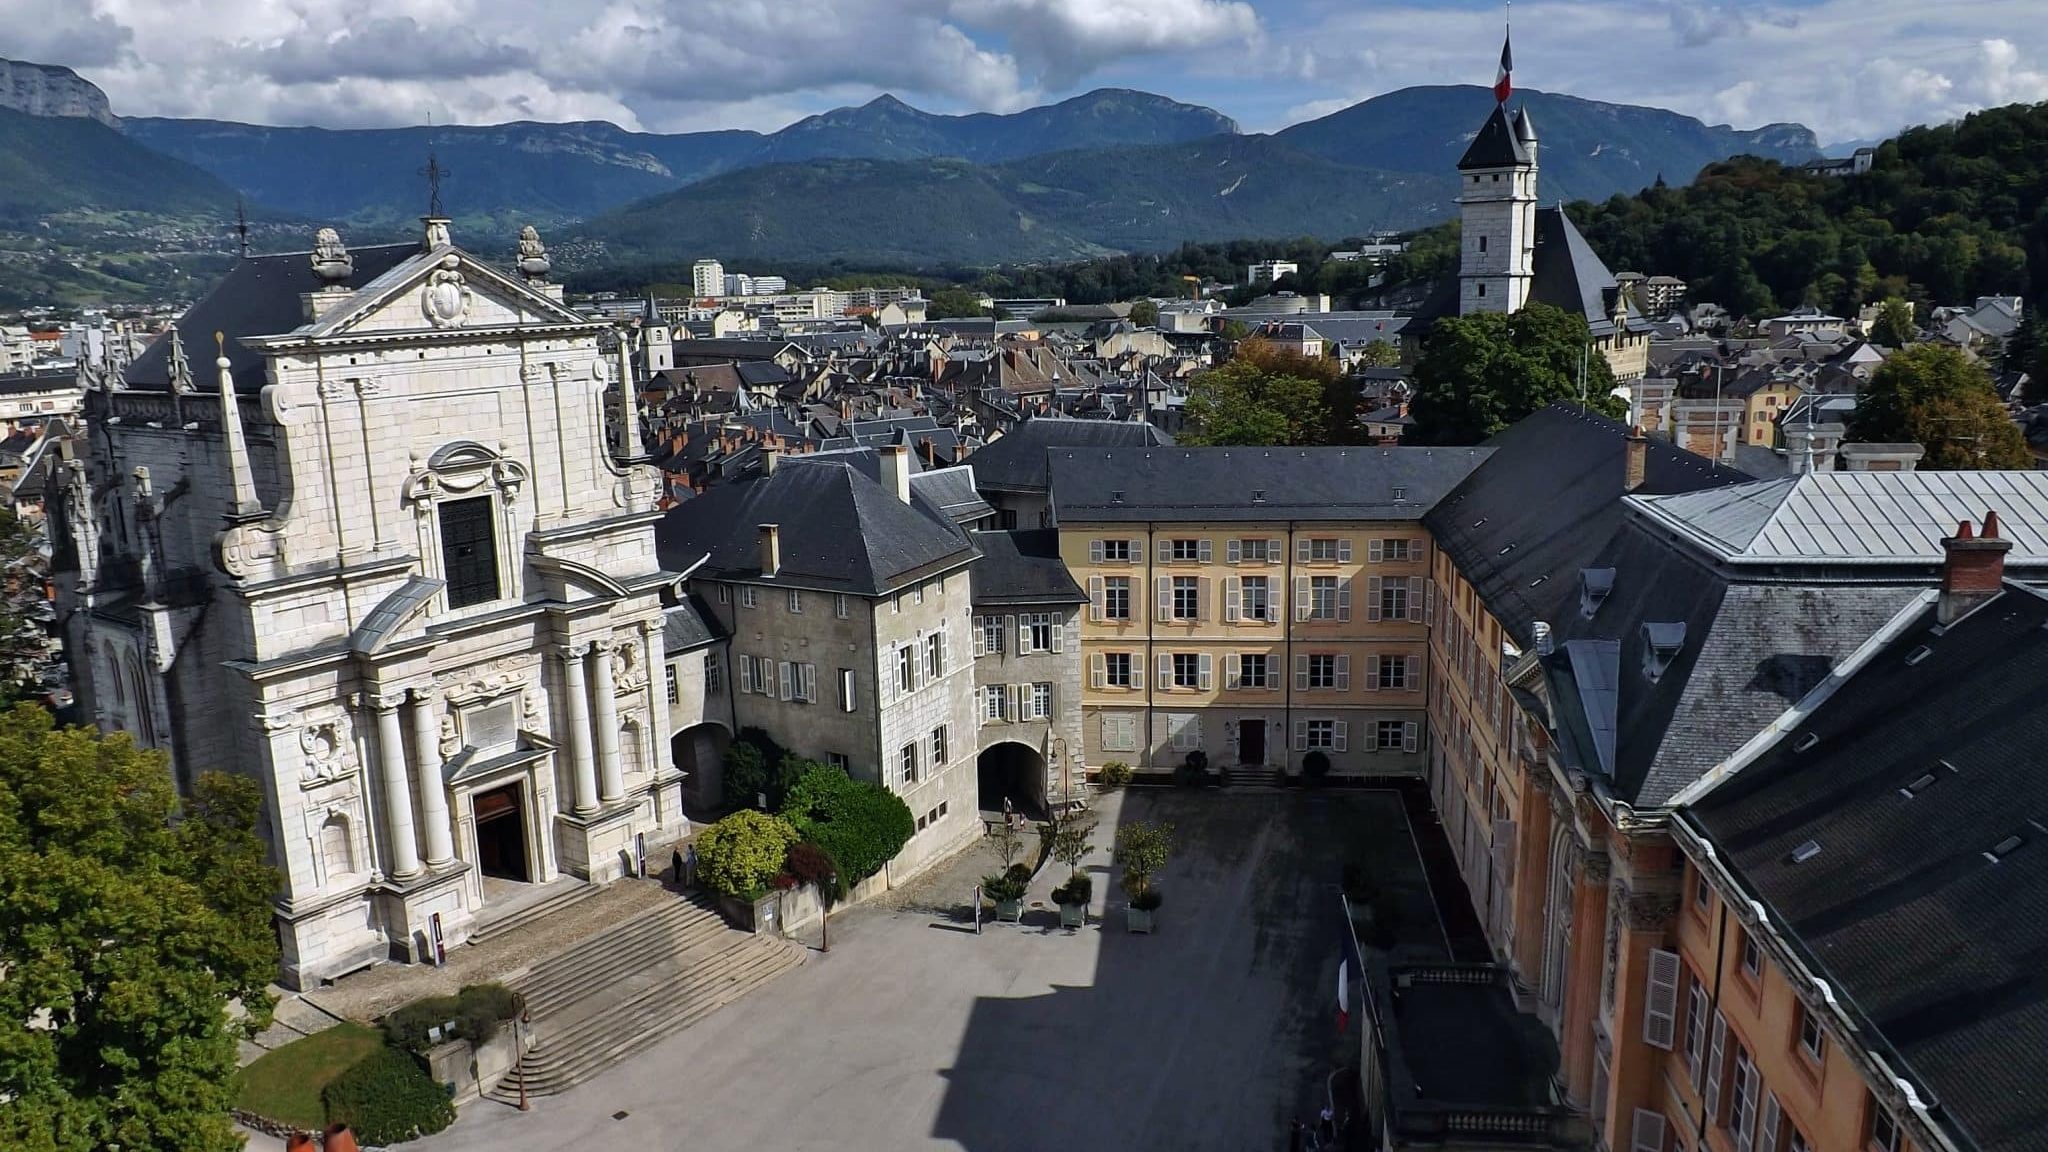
point(1011, 910)
point(1073, 915)
point(1139, 919)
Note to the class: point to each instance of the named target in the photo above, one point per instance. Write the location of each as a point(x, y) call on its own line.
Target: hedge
point(477, 1012)
point(862, 825)
point(741, 854)
point(388, 1098)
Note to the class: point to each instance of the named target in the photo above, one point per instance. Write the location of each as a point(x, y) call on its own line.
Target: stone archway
point(699, 751)
point(1014, 771)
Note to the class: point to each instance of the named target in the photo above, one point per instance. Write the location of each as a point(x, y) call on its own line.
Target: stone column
point(582, 773)
point(426, 738)
point(611, 780)
point(405, 852)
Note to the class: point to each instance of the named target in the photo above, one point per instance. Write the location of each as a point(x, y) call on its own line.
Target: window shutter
point(1098, 670)
point(1647, 1133)
point(1207, 671)
point(1301, 673)
point(1411, 734)
point(1052, 701)
point(1165, 550)
point(1302, 602)
point(1020, 697)
point(1745, 1133)
point(1374, 551)
point(1202, 597)
point(1164, 586)
point(788, 674)
point(1415, 599)
point(1717, 1054)
point(1344, 550)
point(746, 674)
point(1301, 550)
point(1095, 598)
point(1372, 598)
point(1343, 673)
point(981, 634)
point(1137, 551)
point(1344, 599)
point(1275, 673)
point(1022, 625)
point(1273, 552)
point(1372, 673)
point(1059, 636)
point(1166, 671)
point(1233, 597)
point(1233, 552)
point(1095, 551)
point(1773, 1119)
point(1342, 737)
point(1429, 603)
point(1137, 673)
point(1233, 671)
point(1204, 551)
point(1162, 732)
point(1660, 1011)
point(1301, 735)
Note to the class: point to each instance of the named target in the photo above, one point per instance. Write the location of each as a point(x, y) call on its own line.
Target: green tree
point(22, 635)
point(954, 303)
point(1934, 396)
point(2025, 351)
point(1379, 354)
point(1144, 313)
point(1894, 327)
point(128, 922)
point(862, 824)
point(740, 854)
point(1480, 373)
point(1261, 395)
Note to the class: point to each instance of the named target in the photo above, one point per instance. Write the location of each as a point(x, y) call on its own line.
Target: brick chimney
point(1636, 461)
point(1972, 569)
point(896, 471)
point(771, 549)
point(769, 457)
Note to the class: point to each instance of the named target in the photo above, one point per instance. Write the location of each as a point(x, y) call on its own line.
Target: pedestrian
point(1009, 814)
point(690, 865)
point(676, 868)
point(1326, 1124)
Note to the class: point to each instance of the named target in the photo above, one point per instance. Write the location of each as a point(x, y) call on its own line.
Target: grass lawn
point(285, 1084)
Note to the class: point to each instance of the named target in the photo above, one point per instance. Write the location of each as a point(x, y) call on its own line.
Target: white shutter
point(980, 633)
point(1415, 599)
point(1165, 550)
point(1342, 740)
point(1343, 673)
point(1233, 597)
point(1274, 552)
point(1164, 587)
point(1137, 672)
point(1429, 603)
point(788, 675)
point(1233, 671)
point(1344, 599)
point(1023, 629)
point(1233, 552)
point(1203, 551)
point(1202, 595)
point(1344, 550)
point(1372, 598)
point(1137, 551)
point(1020, 697)
point(1166, 671)
point(1773, 1119)
point(1302, 602)
point(1647, 1134)
point(1276, 674)
point(1059, 636)
point(1301, 735)
point(1411, 736)
point(1745, 1133)
point(1098, 670)
point(1301, 673)
point(1095, 598)
point(1206, 666)
point(1372, 673)
point(746, 675)
point(1660, 1002)
point(1301, 550)
point(1095, 551)
point(1717, 1053)
point(1374, 552)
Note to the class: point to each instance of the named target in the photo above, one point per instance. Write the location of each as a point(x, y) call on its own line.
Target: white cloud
point(1064, 40)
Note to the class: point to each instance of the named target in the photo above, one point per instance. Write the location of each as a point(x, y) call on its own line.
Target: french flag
point(1350, 970)
point(1503, 83)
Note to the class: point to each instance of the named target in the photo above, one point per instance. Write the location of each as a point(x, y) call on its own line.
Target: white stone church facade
point(388, 549)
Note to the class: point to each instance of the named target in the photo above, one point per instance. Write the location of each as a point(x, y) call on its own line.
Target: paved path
point(916, 1033)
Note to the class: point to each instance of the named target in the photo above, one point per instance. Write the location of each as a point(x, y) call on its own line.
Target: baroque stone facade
point(386, 558)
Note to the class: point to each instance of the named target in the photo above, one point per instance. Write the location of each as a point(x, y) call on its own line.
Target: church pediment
point(443, 291)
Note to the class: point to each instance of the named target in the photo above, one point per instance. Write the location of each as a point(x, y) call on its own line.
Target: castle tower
point(1497, 208)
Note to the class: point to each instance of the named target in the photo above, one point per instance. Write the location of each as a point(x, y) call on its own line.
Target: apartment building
point(1253, 604)
point(1027, 673)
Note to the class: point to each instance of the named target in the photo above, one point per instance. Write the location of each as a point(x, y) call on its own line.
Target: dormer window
point(1594, 585)
point(1661, 644)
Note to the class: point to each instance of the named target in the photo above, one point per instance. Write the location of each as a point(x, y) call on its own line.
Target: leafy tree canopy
point(1264, 394)
point(1894, 327)
point(128, 921)
point(1933, 395)
point(861, 824)
point(1480, 373)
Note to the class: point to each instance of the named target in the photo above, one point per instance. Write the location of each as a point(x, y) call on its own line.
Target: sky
point(1849, 69)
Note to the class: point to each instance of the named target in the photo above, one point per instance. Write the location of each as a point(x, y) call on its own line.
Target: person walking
point(690, 865)
point(676, 868)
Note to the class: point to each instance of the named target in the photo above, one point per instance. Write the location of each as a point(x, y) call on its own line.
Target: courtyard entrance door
point(501, 833)
point(1251, 743)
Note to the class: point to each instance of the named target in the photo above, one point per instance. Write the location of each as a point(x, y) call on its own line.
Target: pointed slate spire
point(245, 505)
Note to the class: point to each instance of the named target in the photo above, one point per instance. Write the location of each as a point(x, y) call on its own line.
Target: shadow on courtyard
point(1218, 1030)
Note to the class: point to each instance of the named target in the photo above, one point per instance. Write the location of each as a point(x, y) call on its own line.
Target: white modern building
point(707, 279)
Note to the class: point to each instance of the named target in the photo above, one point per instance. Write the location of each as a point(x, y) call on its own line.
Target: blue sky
point(1847, 68)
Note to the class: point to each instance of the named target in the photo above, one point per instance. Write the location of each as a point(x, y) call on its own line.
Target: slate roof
point(1015, 462)
point(1255, 484)
point(1022, 567)
point(1931, 946)
point(258, 297)
point(1496, 145)
point(42, 380)
point(689, 624)
point(840, 531)
point(1566, 273)
point(951, 491)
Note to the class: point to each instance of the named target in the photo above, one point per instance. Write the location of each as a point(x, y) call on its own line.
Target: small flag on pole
point(1350, 969)
point(1503, 83)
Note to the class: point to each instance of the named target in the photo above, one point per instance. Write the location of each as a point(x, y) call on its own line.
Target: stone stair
point(560, 895)
point(662, 970)
point(1255, 778)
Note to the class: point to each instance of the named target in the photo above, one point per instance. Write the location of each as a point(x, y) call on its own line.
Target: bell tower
point(1497, 214)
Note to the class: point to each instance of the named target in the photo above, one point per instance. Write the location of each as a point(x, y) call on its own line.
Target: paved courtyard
point(916, 1033)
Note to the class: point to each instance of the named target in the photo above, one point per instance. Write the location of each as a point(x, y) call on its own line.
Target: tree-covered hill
point(59, 164)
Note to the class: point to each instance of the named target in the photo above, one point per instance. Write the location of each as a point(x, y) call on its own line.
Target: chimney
point(1637, 460)
point(1972, 569)
point(896, 470)
point(769, 457)
point(771, 549)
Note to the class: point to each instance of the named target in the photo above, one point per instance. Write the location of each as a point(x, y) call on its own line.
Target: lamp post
point(519, 1055)
point(825, 891)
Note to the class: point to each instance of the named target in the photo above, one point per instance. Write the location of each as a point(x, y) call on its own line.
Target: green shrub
point(1142, 849)
point(388, 1098)
point(477, 1012)
point(1077, 890)
point(1316, 764)
point(1001, 886)
point(862, 825)
point(741, 854)
point(1116, 774)
point(746, 773)
point(1147, 901)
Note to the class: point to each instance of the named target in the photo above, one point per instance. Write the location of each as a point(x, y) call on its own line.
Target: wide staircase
point(662, 970)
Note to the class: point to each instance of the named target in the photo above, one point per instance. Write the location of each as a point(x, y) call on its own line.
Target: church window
point(469, 551)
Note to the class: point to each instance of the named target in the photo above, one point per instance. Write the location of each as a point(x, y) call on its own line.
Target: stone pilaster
point(399, 834)
point(426, 738)
point(610, 777)
point(575, 686)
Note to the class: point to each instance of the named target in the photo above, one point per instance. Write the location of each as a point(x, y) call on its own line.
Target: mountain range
point(1109, 170)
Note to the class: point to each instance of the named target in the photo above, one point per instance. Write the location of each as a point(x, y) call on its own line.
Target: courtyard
point(915, 1032)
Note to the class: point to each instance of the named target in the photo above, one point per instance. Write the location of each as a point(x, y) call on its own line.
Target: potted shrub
point(1142, 849)
point(1070, 846)
point(1194, 770)
point(1115, 774)
point(1073, 897)
point(1315, 767)
point(1006, 889)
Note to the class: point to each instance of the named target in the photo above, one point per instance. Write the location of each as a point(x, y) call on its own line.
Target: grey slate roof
point(1934, 949)
point(951, 491)
point(1016, 462)
point(1566, 273)
point(1255, 484)
point(689, 624)
point(1496, 145)
point(1022, 567)
point(840, 532)
point(258, 297)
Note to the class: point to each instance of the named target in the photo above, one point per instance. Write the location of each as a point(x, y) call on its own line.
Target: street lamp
point(825, 890)
point(519, 1055)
